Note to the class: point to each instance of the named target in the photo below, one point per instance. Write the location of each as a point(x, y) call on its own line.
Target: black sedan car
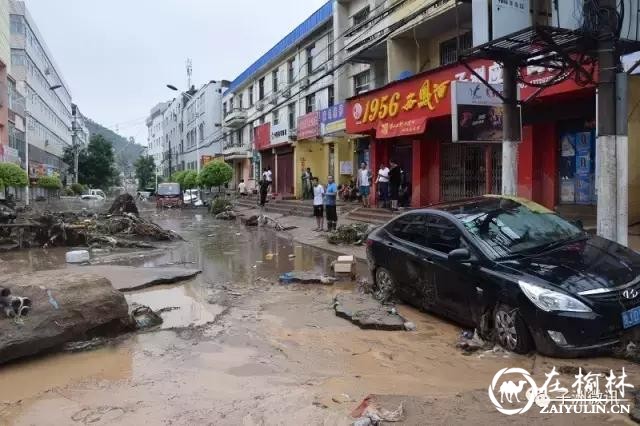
point(514, 270)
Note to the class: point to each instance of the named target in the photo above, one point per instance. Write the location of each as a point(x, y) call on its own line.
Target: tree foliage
point(178, 177)
point(50, 182)
point(190, 180)
point(215, 173)
point(12, 175)
point(77, 188)
point(96, 163)
point(145, 172)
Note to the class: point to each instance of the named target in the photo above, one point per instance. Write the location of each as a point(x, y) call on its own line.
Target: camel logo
point(357, 111)
point(513, 391)
point(515, 385)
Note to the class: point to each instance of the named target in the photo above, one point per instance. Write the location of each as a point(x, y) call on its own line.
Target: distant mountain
point(125, 151)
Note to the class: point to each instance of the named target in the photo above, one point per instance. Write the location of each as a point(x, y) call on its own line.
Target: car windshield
point(507, 227)
point(169, 189)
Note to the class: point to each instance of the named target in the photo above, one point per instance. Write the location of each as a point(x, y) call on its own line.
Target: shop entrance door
point(463, 170)
point(284, 178)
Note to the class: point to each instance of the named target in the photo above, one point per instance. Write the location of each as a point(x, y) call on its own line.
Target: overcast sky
point(118, 55)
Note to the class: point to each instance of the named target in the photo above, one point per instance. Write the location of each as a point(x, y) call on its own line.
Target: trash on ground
point(124, 203)
point(143, 316)
point(372, 408)
point(345, 265)
point(226, 215)
point(306, 278)
point(269, 256)
point(367, 313)
point(14, 306)
point(84, 345)
point(469, 342)
point(77, 256)
point(355, 233)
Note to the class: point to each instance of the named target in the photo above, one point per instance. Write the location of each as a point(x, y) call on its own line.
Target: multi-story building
point(202, 130)
point(79, 126)
point(48, 100)
point(172, 129)
point(5, 64)
point(263, 104)
point(155, 136)
point(17, 137)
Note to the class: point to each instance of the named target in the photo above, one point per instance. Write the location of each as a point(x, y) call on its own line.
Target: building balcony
point(236, 118)
point(236, 151)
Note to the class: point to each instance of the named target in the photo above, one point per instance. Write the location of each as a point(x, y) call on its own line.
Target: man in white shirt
point(364, 184)
point(318, 203)
point(242, 188)
point(383, 184)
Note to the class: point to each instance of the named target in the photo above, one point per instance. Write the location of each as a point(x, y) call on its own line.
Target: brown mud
point(244, 349)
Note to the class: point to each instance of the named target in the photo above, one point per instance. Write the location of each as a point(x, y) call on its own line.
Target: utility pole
point(510, 129)
point(606, 155)
point(74, 144)
point(170, 160)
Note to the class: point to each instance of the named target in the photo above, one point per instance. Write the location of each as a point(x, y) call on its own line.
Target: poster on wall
point(346, 168)
point(476, 113)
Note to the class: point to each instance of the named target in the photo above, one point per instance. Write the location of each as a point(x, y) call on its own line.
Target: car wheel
point(384, 286)
point(510, 330)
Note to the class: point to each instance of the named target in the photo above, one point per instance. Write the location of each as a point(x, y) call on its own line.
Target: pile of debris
point(122, 228)
point(355, 233)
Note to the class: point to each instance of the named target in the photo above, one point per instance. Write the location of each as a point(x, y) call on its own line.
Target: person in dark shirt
point(395, 179)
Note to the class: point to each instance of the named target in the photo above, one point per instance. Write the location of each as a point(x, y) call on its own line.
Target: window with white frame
point(361, 82)
point(309, 51)
point(275, 117)
point(310, 103)
point(360, 16)
point(274, 80)
point(291, 110)
point(290, 70)
point(250, 95)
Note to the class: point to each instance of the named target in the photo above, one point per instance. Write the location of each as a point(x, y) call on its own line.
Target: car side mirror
point(459, 255)
point(579, 224)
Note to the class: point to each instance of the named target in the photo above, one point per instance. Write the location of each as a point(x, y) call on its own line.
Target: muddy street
point(238, 347)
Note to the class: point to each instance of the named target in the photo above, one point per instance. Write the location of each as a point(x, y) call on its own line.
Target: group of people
point(393, 188)
point(324, 202)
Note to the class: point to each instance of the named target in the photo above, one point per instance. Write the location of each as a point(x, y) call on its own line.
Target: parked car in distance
point(512, 269)
point(191, 197)
point(169, 195)
point(94, 194)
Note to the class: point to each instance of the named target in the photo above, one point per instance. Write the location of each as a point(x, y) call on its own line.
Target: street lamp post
point(190, 96)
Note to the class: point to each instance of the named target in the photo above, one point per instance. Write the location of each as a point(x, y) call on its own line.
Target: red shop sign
point(262, 136)
point(428, 95)
point(309, 126)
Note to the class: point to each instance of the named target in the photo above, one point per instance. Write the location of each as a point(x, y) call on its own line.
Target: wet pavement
point(237, 347)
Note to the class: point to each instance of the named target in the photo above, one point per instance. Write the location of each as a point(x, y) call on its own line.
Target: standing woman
point(318, 201)
point(330, 204)
point(395, 179)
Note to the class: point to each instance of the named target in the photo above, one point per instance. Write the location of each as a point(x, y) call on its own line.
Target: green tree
point(13, 176)
point(178, 177)
point(96, 163)
point(145, 172)
point(215, 173)
point(50, 183)
point(190, 180)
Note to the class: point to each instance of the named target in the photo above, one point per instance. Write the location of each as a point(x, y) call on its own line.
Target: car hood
point(590, 264)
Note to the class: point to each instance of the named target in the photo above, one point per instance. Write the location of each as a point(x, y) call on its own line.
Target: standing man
point(242, 188)
point(318, 200)
point(383, 184)
point(395, 179)
point(308, 184)
point(330, 204)
point(364, 184)
point(269, 176)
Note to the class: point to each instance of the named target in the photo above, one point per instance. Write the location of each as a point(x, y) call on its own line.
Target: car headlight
point(549, 300)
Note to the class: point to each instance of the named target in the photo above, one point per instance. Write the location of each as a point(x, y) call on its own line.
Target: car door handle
point(427, 259)
point(389, 243)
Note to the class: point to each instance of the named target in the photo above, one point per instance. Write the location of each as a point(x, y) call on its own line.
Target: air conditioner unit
point(305, 82)
point(273, 99)
point(286, 92)
point(293, 134)
point(259, 105)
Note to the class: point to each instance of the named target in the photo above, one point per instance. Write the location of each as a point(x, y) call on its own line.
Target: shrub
point(77, 189)
point(12, 175)
point(69, 192)
point(220, 205)
point(190, 180)
point(50, 182)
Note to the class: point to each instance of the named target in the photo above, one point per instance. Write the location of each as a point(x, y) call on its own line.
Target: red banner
point(309, 126)
point(262, 136)
point(427, 95)
point(414, 126)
